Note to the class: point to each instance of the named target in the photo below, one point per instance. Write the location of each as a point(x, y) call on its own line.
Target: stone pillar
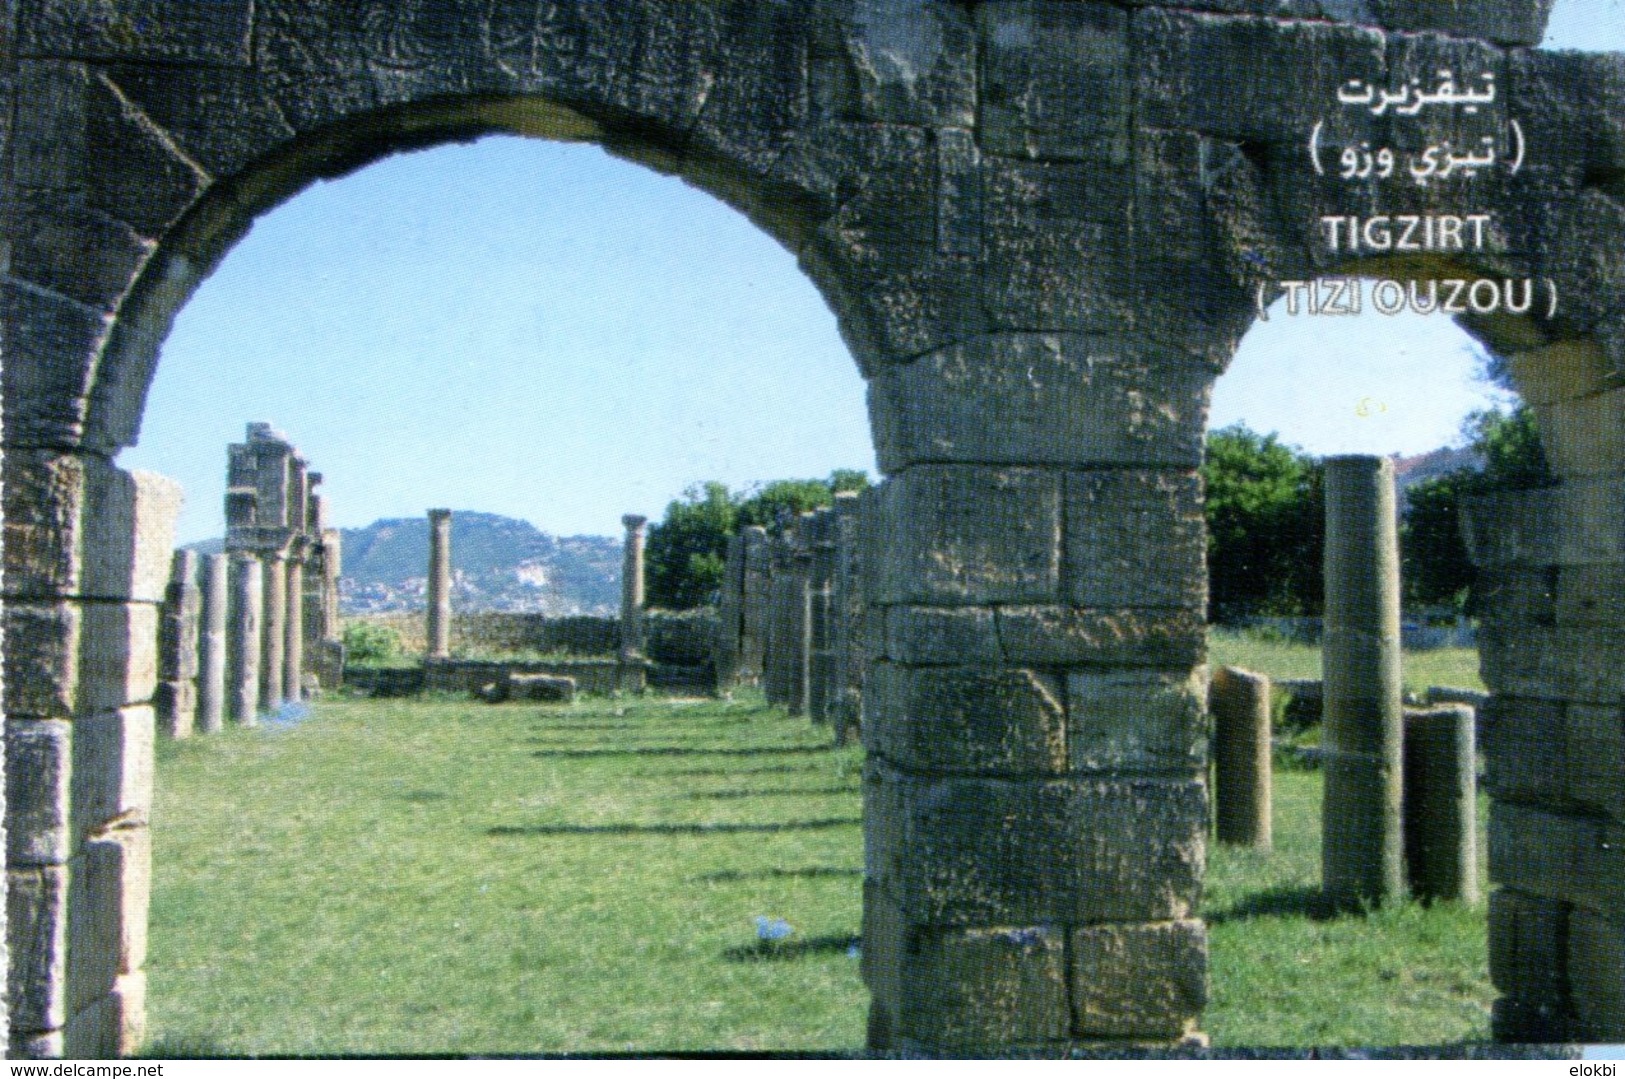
point(632, 588)
point(729, 613)
point(293, 658)
point(754, 603)
point(1363, 849)
point(1441, 803)
point(175, 701)
point(777, 628)
point(821, 690)
point(211, 679)
point(246, 638)
point(1035, 812)
point(1240, 704)
point(439, 612)
point(275, 628)
point(846, 618)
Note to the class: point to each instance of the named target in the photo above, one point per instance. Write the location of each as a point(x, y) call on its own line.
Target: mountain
point(497, 564)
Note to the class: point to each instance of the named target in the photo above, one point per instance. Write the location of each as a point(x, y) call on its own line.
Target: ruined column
point(725, 657)
point(846, 618)
point(1362, 846)
point(275, 630)
point(211, 679)
point(247, 606)
point(821, 691)
point(1240, 704)
point(439, 615)
point(753, 603)
point(1441, 803)
point(632, 588)
point(175, 699)
point(293, 658)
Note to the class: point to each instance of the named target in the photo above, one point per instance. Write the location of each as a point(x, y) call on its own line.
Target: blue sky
point(539, 330)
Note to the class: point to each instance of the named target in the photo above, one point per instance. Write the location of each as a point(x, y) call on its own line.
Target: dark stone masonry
point(1043, 226)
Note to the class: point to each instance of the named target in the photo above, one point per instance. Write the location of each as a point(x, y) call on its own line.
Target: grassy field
point(1283, 659)
point(436, 876)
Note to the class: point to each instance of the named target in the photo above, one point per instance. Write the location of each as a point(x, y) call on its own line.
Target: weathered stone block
point(1041, 398)
point(1136, 720)
point(1247, 78)
point(113, 767)
point(61, 245)
point(118, 661)
point(220, 118)
point(1107, 638)
point(38, 764)
point(1594, 740)
point(46, 1045)
point(907, 63)
point(1590, 521)
point(965, 535)
point(43, 491)
point(107, 916)
point(48, 135)
point(1511, 528)
point(50, 345)
point(966, 851)
point(977, 720)
point(961, 987)
point(1518, 595)
point(1135, 539)
point(1586, 665)
point(113, 1026)
point(1527, 935)
point(1139, 981)
point(941, 635)
point(37, 942)
point(215, 33)
point(1060, 254)
point(1505, 22)
point(1524, 749)
point(1596, 965)
point(41, 659)
point(539, 687)
point(1584, 436)
point(1591, 595)
point(1055, 80)
point(1576, 859)
point(129, 534)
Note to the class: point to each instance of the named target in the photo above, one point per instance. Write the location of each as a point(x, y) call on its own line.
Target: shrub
point(365, 642)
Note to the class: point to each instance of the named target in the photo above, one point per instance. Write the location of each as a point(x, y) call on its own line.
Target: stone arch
point(1040, 224)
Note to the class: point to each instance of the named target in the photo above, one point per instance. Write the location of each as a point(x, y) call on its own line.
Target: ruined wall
point(1043, 226)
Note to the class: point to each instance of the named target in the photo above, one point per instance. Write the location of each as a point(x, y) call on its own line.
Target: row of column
point(791, 615)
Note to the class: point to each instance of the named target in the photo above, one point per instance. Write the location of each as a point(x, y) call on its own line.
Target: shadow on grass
point(778, 951)
point(423, 797)
point(770, 792)
point(184, 1047)
point(701, 828)
point(728, 875)
point(729, 773)
point(678, 751)
point(1295, 901)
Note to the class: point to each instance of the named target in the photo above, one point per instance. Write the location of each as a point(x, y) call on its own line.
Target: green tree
point(686, 551)
point(1436, 570)
point(1264, 508)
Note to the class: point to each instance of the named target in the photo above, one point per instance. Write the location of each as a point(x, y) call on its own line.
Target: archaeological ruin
point(1043, 226)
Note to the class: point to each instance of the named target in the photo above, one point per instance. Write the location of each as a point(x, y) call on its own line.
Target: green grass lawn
point(439, 876)
point(1283, 659)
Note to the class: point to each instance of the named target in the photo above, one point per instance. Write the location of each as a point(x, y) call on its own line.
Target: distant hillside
point(498, 564)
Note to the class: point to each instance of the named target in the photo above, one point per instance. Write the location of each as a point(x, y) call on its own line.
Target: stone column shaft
point(293, 657)
point(1441, 803)
point(211, 680)
point(1363, 850)
point(175, 699)
point(247, 605)
point(632, 587)
point(439, 610)
point(275, 631)
point(1240, 703)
